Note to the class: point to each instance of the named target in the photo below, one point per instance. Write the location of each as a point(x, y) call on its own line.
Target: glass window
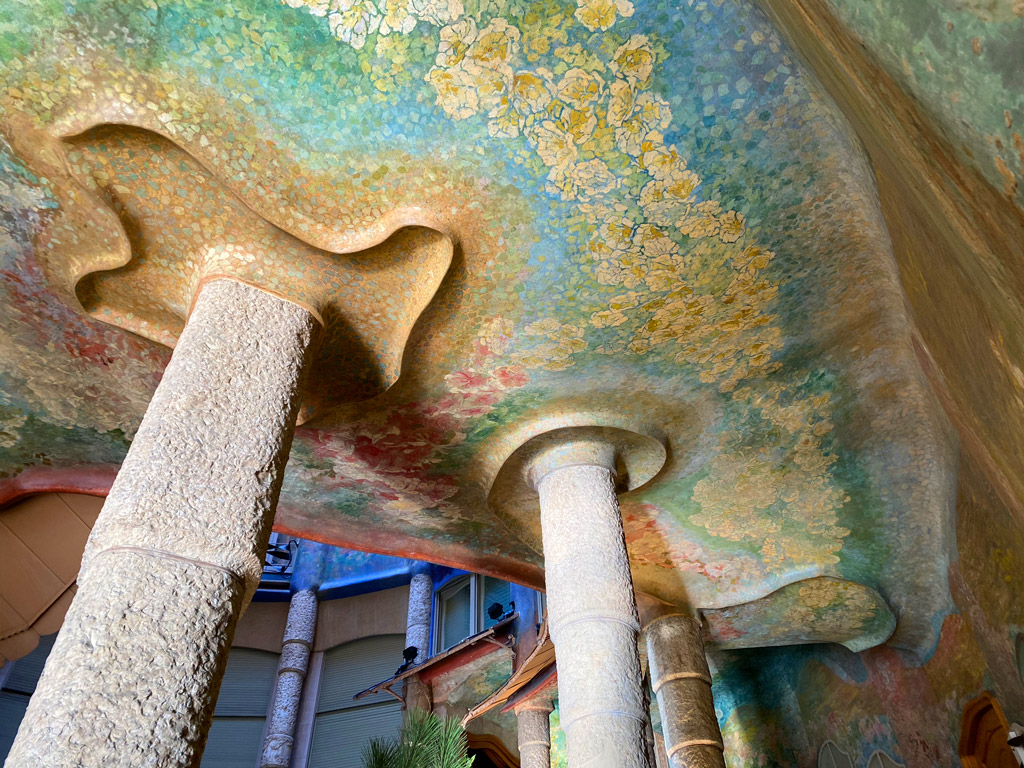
point(236, 735)
point(494, 591)
point(455, 613)
point(19, 683)
point(344, 727)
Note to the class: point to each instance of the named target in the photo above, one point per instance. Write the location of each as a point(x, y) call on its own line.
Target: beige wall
point(376, 613)
point(41, 544)
point(338, 621)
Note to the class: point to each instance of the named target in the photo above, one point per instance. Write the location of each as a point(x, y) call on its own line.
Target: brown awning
point(535, 673)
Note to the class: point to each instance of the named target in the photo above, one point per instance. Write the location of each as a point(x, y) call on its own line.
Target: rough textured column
point(178, 547)
point(591, 610)
point(417, 633)
point(291, 674)
point(534, 726)
point(682, 683)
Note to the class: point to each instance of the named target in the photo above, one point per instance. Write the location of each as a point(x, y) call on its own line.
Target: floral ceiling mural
point(512, 216)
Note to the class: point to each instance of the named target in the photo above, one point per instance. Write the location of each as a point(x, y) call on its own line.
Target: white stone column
point(178, 548)
point(592, 614)
point(417, 633)
point(291, 674)
point(534, 727)
point(682, 683)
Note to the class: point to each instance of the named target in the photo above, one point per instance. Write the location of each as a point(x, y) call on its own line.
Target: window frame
point(444, 592)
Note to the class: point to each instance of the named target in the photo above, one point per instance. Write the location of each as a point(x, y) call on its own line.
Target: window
point(461, 608)
point(19, 680)
point(344, 727)
point(236, 735)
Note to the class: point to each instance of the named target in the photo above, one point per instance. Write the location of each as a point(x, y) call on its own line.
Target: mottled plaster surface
point(963, 60)
point(635, 214)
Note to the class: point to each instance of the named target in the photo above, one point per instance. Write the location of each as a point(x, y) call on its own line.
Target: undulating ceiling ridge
point(659, 223)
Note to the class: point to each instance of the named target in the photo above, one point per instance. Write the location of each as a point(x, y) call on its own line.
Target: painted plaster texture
point(591, 609)
point(534, 732)
point(291, 674)
point(417, 633)
point(682, 684)
point(176, 551)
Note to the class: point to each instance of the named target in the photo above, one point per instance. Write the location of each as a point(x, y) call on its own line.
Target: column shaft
point(177, 550)
point(592, 616)
point(417, 633)
point(534, 727)
point(682, 683)
point(291, 674)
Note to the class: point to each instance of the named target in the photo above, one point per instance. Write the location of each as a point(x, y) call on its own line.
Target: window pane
point(340, 737)
point(455, 616)
point(495, 591)
point(233, 743)
point(354, 667)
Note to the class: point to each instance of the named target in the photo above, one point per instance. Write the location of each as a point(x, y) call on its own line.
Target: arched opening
point(983, 738)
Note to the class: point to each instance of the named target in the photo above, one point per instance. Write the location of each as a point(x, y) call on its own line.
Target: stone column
point(682, 683)
point(592, 615)
point(534, 726)
point(177, 550)
point(291, 673)
point(417, 633)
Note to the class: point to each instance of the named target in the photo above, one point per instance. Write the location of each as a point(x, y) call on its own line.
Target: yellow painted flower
point(454, 42)
point(351, 21)
point(397, 17)
point(592, 178)
point(315, 7)
point(635, 116)
point(659, 160)
point(601, 14)
point(634, 61)
point(615, 315)
point(456, 92)
point(495, 46)
point(531, 91)
point(666, 201)
point(730, 226)
point(579, 89)
point(700, 220)
point(555, 145)
point(436, 12)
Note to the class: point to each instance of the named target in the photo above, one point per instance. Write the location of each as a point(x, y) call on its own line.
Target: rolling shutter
point(236, 734)
point(18, 687)
point(343, 726)
point(456, 615)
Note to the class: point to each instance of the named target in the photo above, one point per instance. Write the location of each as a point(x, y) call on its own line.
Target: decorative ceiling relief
point(514, 217)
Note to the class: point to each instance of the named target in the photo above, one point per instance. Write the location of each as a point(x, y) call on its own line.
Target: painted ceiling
point(512, 217)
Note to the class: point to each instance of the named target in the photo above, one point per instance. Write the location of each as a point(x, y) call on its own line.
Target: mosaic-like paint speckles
point(652, 216)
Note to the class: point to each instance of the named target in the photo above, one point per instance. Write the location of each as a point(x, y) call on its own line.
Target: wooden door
point(983, 738)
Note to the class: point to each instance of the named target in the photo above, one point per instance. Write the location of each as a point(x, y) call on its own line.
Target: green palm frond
point(425, 741)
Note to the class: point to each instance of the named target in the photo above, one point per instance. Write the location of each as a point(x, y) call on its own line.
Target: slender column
point(682, 683)
point(591, 610)
point(417, 633)
point(534, 718)
point(291, 673)
point(177, 550)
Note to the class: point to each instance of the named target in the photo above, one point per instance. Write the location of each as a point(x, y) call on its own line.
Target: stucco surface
point(176, 551)
point(513, 217)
